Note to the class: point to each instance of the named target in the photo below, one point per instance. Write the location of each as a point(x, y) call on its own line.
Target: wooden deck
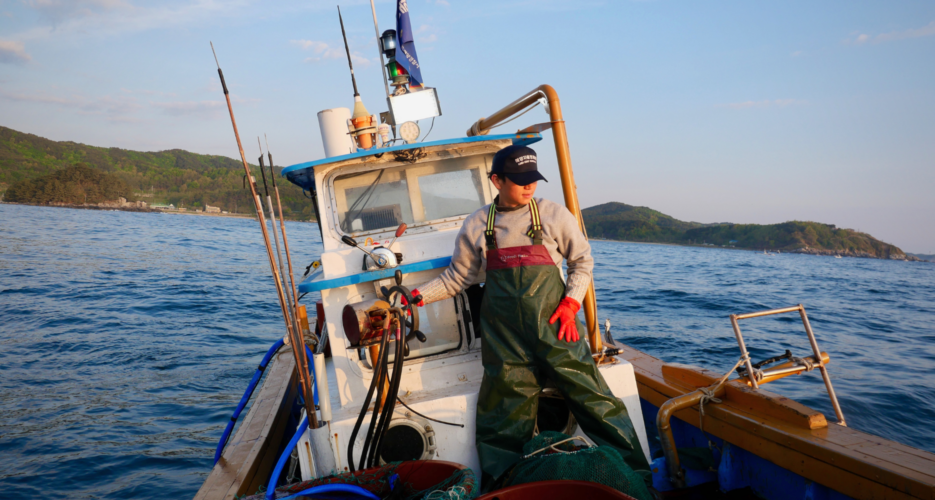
point(251, 453)
point(773, 427)
point(792, 435)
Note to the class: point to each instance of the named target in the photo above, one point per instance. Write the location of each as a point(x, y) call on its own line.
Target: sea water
point(127, 339)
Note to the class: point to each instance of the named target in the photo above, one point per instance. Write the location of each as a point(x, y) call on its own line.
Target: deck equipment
point(553, 456)
point(677, 476)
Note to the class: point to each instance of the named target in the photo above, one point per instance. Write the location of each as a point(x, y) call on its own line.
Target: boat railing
point(754, 375)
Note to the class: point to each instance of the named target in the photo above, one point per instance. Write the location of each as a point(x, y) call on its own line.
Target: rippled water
point(127, 339)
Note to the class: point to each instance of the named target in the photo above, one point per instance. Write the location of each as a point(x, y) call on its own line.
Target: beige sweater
point(561, 236)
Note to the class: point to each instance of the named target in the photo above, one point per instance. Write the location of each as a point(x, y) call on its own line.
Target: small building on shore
point(212, 210)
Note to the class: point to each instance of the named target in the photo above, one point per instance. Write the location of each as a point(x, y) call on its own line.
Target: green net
point(600, 464)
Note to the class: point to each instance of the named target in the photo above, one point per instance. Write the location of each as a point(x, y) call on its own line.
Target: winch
point(374, 324)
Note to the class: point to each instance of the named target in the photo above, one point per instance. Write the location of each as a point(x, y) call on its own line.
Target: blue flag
point(406, 48)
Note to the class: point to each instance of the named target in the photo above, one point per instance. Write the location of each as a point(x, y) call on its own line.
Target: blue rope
point(354, 490)
point(271, 489)
point(245, 399)
point(249, 392)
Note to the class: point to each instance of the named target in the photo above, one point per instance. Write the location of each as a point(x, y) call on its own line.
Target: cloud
point(104, 18)
point(200, 109)
point(321, 49)
point(207, 110)
point(58, 11)
point(440, 2)
point(779, 103)
point(13, 52)
point(118, 109)
point(927, 30)
point(149, 92)
point(426, 34)
point(324, 51)
point(40, 98)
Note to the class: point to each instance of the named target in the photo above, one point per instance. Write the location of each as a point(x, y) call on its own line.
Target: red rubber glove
point(415, 293)
point(566, 311)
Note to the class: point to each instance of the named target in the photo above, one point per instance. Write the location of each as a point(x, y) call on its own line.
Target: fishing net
point(599, 464)
point(386, 483)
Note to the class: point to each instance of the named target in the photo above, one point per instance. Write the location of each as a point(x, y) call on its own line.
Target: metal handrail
point(751, 374)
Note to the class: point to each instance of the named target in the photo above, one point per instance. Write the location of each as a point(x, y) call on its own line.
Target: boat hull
point(769, 444)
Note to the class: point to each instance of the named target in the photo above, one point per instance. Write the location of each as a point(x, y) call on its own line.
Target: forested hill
point(619, 221)
point(174, 176)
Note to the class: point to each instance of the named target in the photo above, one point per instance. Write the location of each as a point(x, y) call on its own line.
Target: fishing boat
point(388, 212)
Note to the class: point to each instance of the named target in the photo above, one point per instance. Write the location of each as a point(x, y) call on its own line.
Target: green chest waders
point(521, 350)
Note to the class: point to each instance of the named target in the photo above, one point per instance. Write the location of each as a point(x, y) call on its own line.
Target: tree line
point(173, 177)
point(75, 185)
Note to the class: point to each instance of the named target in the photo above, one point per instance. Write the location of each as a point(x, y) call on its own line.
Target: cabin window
point(452, 193)
point(379, 200)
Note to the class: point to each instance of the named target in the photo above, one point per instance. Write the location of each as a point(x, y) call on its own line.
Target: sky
point(723, 111)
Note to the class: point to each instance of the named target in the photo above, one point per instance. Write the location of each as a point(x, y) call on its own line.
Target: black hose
point(363, 411)
point(390, 406)
point(381, 365)
point(374, 440)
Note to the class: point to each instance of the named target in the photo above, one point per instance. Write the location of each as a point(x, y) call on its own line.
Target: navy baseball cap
point(517, 163)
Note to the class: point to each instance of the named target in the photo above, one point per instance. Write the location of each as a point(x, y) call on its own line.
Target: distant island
point(175, 177)
point(619, 221)
point(39, 171)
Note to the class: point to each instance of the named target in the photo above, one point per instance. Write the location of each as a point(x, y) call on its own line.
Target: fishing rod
point(298, 343)
point(282, 224)
point(272, 216)
point(348, 50)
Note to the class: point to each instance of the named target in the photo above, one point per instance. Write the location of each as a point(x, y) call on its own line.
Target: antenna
point(380, 48)
point(348, 50)
point(215, 55)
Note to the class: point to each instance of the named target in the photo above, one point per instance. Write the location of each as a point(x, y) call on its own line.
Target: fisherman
point(520, 241)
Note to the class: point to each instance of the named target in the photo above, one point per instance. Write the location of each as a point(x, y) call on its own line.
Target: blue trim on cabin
point(314, 284)
point(301, 174)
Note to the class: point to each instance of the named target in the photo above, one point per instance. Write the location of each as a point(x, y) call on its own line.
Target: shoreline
point(815, 252)
point(811, 251)
point(117, 208)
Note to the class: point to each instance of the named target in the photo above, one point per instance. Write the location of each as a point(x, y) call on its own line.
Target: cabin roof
point(302, 174)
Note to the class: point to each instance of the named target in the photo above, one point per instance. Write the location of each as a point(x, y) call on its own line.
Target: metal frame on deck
point(751, 373)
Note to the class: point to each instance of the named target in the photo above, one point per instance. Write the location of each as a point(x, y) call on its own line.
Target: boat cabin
point(431, 187)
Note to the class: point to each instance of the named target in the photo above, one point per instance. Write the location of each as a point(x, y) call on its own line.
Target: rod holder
point(821, 359)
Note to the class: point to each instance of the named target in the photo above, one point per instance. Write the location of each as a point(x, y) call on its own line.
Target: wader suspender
point(521, 351)
point(535, 232)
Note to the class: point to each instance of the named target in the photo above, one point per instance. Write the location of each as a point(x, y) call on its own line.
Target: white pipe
point(321, 378)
